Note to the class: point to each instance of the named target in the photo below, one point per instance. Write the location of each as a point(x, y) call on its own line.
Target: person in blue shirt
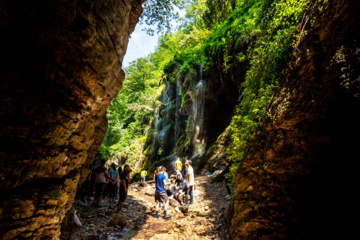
point(160, 193)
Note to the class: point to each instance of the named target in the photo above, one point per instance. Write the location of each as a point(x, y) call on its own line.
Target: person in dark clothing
point(180, 190)
point(124, 183)
point(227, 170)
point(91, 179)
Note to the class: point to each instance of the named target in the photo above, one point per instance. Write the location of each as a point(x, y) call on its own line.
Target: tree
point(160, 13)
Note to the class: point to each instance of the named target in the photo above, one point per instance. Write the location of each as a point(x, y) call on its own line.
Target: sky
point(140, 45)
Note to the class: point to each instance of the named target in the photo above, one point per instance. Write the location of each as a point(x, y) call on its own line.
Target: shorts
point(161, 196)
point(122, 194)
point(99, 189)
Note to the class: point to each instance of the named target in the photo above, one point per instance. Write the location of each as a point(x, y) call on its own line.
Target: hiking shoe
point(167, 216)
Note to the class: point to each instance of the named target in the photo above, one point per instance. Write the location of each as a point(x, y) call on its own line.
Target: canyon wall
point(196, 107)
point(61, 68)
point(299, 180)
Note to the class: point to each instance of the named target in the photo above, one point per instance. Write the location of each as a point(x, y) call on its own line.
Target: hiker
point(113, 187)
point(227, 170)
point(143, 174)
point(179, 179)
point(124, 183)
point(156, 172)
point(159, 152)
point(160, 193)
point(91, 179)
point(178, 164)
point(180, 191)
point(176, 181)
point(83, 190)
point(190, 184)
point(101, 174)
point(176, 174)
point(186, 160)
point(128, 177)
point(119, 169)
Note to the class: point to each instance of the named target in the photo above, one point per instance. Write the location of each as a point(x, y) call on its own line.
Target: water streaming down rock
point(196, 108)
point(178, 126)
point(198, 140)
point(163, 131)
point(155, 130)
point(177, 110)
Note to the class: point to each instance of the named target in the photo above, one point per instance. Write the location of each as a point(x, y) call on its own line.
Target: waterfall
point(177, 111)
point(155, 129)
point(198, 108)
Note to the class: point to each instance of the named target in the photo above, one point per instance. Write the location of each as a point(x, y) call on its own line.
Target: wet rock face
point(196, 108)
point(62, 69)
point(297, 184)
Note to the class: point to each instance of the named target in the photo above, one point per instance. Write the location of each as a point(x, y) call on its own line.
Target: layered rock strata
point(297, 184)
point(61, 69)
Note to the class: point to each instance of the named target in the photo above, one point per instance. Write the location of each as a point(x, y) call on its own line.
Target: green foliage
point(160, 13)
point(217, 34)
point(131, 111)
point(275, 26)
point(259, 32)
point(217, 11)
point(104, 151)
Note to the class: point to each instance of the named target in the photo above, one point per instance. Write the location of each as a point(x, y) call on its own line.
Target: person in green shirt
point(143, 174)
point(166, 187)
point(178, 164)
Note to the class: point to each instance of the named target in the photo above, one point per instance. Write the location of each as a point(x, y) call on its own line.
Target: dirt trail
point(203, 220)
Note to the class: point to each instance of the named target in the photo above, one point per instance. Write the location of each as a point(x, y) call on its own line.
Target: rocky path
point(203, 220)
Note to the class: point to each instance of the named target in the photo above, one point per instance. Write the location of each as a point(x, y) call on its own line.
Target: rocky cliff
point(296, 183)
point(197, 106)
point(61, 69)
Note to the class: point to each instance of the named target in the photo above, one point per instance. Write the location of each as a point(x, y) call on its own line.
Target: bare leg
point(166, 203)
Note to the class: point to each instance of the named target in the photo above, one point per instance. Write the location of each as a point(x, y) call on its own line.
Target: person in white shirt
point(189, 184)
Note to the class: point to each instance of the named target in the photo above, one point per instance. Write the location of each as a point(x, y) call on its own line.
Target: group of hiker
point(181, 185)
point(115, 181)
point(100, 181)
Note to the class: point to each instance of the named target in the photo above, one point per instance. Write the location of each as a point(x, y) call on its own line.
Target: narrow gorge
point(271, 85)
